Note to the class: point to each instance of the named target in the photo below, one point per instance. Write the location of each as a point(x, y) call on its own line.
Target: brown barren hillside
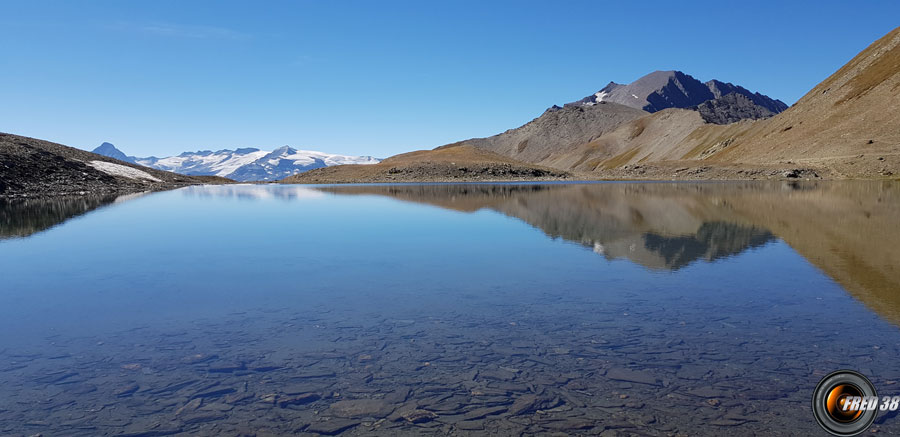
point(849, 123)
point(448, 164)
point(646, 138)
point(557, 130)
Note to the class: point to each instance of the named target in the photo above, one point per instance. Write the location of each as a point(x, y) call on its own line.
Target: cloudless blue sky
point(383, 77)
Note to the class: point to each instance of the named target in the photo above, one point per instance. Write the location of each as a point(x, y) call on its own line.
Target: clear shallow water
point(651, 309)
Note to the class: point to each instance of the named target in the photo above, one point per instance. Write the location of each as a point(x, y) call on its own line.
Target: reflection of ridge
point(616, 224)
point(458, 197)
point(713, 241)
point(24, 217)
point(846, 229)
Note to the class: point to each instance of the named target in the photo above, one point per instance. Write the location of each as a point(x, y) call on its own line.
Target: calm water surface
point(495, 309)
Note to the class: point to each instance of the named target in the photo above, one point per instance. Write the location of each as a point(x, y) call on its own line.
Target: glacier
point(243, 164)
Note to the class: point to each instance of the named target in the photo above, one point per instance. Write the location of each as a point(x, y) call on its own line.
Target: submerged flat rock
point(377, 408)
point(331, 427)
point(629, 375)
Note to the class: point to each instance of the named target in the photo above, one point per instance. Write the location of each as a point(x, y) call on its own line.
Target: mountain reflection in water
point(24, 217)
point(251, 192)
point(847, 229)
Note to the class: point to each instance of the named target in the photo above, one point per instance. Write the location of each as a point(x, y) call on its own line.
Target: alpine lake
point(652, 309)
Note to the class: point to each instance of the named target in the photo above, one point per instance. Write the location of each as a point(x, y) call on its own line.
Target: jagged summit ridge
point(674, 89)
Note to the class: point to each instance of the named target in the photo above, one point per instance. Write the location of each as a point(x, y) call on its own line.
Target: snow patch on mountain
point(122, 170)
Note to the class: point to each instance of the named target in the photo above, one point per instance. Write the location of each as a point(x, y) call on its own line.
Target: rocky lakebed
point(267, 373)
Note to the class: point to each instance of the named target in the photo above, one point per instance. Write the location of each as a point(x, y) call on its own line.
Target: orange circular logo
point(845, 403)
point(836, 403)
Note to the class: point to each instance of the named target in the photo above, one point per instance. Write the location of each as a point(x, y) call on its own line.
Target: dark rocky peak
point(679, 91)
point(721, 89)
point(674, 89)
point(653, 92)
point(107, 149)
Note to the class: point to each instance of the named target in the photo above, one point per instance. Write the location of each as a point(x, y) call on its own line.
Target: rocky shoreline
point(442, 173)
point(84, 188)
point(435, 172)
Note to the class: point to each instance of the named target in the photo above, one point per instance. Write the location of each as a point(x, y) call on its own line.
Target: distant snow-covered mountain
point(247, 164)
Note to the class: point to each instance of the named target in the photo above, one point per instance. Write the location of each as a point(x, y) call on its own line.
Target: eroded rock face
point(732, 108)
